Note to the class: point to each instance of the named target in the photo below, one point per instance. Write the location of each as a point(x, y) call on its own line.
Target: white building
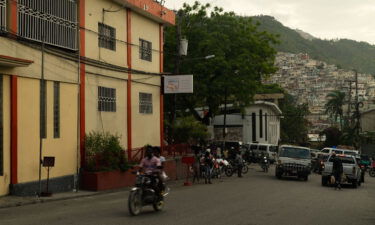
point(260, 123)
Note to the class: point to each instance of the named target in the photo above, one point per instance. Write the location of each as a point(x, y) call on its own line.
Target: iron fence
point(51, 21)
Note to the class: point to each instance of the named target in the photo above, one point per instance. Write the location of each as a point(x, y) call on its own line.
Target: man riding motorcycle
point(150, 165)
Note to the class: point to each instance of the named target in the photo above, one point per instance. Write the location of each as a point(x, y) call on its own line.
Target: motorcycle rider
point(263, 159)
point(163, 176)
point(150, 164)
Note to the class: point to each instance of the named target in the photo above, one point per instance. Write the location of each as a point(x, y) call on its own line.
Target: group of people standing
point(206, 159)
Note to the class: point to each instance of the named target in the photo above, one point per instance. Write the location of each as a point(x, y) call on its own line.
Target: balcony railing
point(51, 21)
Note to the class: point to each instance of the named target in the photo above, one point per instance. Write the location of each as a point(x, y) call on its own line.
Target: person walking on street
point(239, 163)
point(337, 170)
point(207, 164)
point(196, 166)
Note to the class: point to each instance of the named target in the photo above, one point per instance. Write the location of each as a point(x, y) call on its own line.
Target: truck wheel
point(354, 183)
point(324, 181)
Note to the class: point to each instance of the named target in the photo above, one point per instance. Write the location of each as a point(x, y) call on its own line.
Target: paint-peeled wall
point(5, 178)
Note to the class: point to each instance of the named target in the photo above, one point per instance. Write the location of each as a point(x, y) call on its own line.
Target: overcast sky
point(326, 19)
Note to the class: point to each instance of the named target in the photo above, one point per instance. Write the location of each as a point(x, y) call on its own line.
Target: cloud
point(325, 19)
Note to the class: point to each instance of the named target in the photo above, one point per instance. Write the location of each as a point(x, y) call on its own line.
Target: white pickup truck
point(351, 170)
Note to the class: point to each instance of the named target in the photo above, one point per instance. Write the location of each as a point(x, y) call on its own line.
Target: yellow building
point(70, 67)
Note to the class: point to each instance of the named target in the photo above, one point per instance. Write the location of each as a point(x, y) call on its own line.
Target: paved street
point(258, 198)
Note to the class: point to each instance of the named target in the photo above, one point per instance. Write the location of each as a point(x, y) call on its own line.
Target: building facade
point(68, 68)
point(259, 123)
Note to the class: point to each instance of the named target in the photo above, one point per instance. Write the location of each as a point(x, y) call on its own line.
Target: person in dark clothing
point(207, 163)
point(337, 170)
point(239, 163)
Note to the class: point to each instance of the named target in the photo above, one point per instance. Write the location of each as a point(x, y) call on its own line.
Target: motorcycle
point(232, 168)
point(264, 164)
point(372, 172)
point(144, 193)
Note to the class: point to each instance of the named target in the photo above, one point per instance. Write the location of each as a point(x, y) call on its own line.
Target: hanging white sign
point(176, 84)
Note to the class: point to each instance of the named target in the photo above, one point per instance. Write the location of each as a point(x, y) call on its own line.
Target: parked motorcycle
point(232, 168)
point(372, 172)
point(145, 193)
point(264, 164)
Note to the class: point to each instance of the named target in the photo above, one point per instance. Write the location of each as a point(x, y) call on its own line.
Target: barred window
point(145, 103)
point(145, 50)
point(51, 21)
point(56, 109)
point(106, 99)
point(1, 128)
point(43, 109)
point(3, 14)
point(107, 37)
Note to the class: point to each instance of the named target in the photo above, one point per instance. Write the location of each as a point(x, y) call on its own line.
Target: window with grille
point(145, 103)
point(3, 14)
point(145, 50)
point(56, 109)
point(51, 21)
point(43, 109)
point(107, 37)
point(106, 99)
point(1, 128)
point(260, 123)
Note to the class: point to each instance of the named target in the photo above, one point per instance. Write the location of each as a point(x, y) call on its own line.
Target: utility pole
point(225, 116)
point(357, 113)
point(177, 71)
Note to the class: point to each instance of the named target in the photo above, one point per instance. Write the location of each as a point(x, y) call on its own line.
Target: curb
point(37, 200)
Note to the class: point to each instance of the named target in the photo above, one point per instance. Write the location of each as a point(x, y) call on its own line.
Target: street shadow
point(147, 212)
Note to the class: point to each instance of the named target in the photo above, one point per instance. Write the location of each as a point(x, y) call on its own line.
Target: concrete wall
point(113, 122)
point(145, 127)
point(368, 121)
point(5, 179)
point(55, 68)
point(150, 32)
point(64, 149)
point(94, 15)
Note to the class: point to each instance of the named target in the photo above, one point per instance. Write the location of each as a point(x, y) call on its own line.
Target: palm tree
point(334, 105)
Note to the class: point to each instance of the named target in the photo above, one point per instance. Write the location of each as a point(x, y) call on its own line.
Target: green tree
point(189, 130)
point(243, 55)
point(333, 136)
point(294, 125)
point(334, 106)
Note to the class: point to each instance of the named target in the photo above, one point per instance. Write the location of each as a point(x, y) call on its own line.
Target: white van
point(328, 151)
point(265, 149)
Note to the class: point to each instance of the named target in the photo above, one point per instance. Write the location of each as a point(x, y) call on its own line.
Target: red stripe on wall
point(82, 112)
point(13, 17)
point(129, 83)
point(13, 130)
point(161, 56)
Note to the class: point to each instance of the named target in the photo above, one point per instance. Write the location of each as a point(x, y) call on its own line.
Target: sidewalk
point(14, 201)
